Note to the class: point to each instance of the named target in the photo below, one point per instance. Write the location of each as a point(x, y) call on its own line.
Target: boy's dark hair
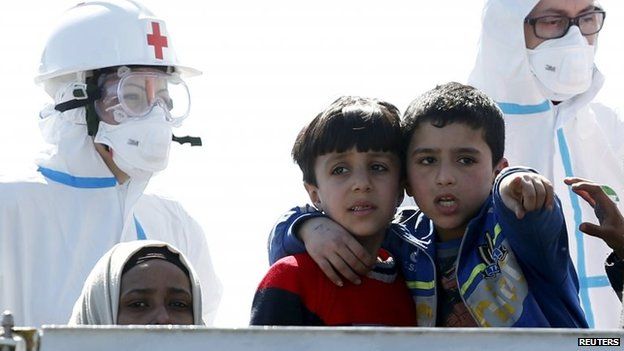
point(457, 103)
point(351, 121)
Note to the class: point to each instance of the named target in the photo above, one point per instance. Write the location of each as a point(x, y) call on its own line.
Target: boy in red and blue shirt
point(351, 160)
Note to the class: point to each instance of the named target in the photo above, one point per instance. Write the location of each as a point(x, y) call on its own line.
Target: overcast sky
point(269, 66)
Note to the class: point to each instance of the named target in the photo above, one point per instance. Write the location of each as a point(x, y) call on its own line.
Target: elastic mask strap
point(85, 96)
point(194, 141)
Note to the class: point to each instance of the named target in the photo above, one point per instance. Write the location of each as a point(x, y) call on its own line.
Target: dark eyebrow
point(138, 291)
point(459, 150)
point(591, 8)
point(466, 150)
point(179, 291)
point(378, 153)
point(144, 291)
point(335, 157)
point(563, 13)
point(424, 150)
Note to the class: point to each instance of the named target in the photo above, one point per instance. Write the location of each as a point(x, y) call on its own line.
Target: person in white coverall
point(117, 86)
point(536, 60)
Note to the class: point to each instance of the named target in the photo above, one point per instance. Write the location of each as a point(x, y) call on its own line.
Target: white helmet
point(99, 34)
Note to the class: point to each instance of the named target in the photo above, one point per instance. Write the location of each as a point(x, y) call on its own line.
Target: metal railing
point(189, 338)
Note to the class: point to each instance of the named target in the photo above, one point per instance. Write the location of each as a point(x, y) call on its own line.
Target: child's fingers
point(591, 229)
point(354, 262)
point(329, 271)
point(574, 180)
point(344, 269)
point(511, 194)
point(516, 185)
point(517, 207)
point(585, 196)
point(550, 195)
point(593, 189)
point(514, 190)
point(604, 207)
point(593, 194)
point(540, 195)
point(528, 198)
point(520, 212)
point(358, 258)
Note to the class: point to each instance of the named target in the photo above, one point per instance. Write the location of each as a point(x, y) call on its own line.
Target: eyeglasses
point(553, 27)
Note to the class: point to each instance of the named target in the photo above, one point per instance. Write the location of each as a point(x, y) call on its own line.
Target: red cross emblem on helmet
point(157, 40)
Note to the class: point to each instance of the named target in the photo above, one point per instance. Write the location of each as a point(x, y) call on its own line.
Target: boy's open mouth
point(362, 207)
point(446, 200)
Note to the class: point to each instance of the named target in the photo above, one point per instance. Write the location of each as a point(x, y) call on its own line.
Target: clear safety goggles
point(131, 94)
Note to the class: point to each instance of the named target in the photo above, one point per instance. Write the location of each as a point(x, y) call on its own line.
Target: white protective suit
point(98, 303)
point(577, 137)
point(56, 224)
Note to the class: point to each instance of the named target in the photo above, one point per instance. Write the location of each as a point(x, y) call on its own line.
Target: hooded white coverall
point(578, 137)
point(57, 223)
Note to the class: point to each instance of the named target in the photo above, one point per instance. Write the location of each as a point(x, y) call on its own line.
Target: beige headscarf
point(99, 301)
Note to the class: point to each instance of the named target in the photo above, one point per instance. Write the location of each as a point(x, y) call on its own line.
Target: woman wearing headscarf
point(140, 282)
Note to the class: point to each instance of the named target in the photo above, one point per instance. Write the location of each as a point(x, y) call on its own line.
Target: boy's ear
point(313, 193)
point(503, 163)
point(408, 189)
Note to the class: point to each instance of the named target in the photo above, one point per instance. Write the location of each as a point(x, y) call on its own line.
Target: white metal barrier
point(188, 338)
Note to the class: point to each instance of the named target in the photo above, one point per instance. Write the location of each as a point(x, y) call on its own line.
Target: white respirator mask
point(564, 66)
point(140, 147)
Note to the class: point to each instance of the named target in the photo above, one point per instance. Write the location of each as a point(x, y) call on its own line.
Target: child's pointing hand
point(525, 191)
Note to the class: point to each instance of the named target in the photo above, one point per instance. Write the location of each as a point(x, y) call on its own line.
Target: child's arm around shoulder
point(283, 240)
point(335, 251)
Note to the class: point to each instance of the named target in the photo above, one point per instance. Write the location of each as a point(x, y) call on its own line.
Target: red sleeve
point(278, 300)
